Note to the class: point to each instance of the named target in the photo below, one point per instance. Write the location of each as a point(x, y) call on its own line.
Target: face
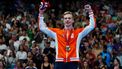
point(1, 41)
point(116, 62)
point(68, 20)
point(18, 64)
point(29, 54)
point(21, 48)
point(45, 58)
point(1, 64)
point(99, 58)
point(85, 64)
point(87, 56)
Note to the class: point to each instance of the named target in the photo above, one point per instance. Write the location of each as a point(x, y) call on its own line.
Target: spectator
point(2, 45)
point(106, 56)
point(31, 65)
point(2, 64)
point(85, 65)
point(46, 64)
point(11, 59)
point(21, 55)
point(24, 35)
point(100, 63)
point(18, 65)
point(116, 64)
point(37, 57)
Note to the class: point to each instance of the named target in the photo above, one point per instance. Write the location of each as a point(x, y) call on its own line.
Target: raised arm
point(42, 24)
point(91, 25)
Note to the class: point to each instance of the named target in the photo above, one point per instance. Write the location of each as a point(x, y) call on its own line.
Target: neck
point(117, 65)
point(68, 27)
point(46, 62)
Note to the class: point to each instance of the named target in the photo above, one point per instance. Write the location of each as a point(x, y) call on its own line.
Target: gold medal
point(67, 36)
point(67, 48)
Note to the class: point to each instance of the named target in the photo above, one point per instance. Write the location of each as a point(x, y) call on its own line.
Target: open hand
point(42, 7)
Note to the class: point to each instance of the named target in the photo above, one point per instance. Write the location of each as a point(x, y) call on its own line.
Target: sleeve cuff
point(41, 17)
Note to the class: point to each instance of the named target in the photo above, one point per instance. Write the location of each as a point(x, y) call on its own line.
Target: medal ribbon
point(69, 36)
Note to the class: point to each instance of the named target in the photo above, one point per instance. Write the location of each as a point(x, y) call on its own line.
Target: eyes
point(67, 18)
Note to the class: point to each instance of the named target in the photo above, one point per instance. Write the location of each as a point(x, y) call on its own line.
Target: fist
point(88, 8)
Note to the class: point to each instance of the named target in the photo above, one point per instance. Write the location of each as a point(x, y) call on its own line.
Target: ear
point(73, 20)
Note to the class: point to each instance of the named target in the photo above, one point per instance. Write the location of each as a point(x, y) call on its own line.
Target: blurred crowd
point(24, 46)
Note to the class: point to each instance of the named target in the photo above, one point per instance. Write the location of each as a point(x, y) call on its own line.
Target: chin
point(68, 25)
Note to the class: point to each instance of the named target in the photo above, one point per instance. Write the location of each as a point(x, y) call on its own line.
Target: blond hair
point(68, 12)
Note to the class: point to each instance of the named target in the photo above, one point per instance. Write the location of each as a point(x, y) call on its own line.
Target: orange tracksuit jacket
point(58, 34)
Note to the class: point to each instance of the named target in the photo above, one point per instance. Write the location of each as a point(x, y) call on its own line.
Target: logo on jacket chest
point(72, 35)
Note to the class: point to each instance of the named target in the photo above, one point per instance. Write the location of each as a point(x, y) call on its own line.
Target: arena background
point(19, 32)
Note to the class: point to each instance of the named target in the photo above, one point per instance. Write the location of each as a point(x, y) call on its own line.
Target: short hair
point(68, 12)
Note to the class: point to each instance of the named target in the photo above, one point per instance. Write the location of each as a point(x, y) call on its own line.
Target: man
point(68, 39)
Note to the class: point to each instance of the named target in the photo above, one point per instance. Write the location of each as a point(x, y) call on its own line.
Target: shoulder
point(42, 64)
point(27, 67)
point(51, 64)
point(78, 30)
point(57, 30)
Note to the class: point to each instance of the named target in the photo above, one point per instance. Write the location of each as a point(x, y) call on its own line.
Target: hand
point(88, 8)
point(42, 7)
